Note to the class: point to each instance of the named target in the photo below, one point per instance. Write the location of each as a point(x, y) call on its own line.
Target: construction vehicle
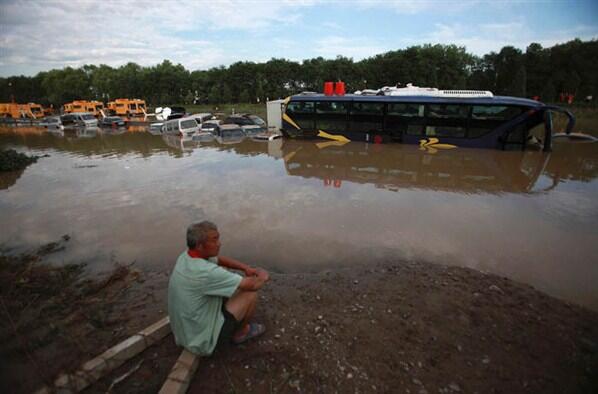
point(15, 110)
point(127, 107)
point(93, 107)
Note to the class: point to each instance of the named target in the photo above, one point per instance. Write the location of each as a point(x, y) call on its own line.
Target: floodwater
point(300, 206)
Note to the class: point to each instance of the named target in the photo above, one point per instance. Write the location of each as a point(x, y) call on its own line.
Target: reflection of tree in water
point(575, 161)
point(9, 178)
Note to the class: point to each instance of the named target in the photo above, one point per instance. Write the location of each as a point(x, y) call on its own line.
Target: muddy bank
point(53, 317)
point(396, 327)
point(400, 327)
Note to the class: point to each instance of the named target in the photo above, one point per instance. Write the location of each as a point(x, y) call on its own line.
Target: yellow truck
point(15, 110)
point(127, 107)
point(93, 107)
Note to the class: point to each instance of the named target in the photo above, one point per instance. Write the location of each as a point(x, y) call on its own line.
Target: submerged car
point(176, 113)
point(203, 117)
point(112, 121)
point(79, 119)
point(210, 126)
point(203, 136)
point(185, 127)
point(52, 123)
point(230, 134)
point(246, 120)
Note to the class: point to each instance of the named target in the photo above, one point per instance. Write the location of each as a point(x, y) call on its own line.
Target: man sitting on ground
point(207, 304)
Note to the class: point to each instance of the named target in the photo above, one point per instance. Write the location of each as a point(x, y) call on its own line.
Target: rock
point(416, 381)
point(486, 360)
point(349, 375)
point(355, 282)
point(454, 386)
point(495, 288)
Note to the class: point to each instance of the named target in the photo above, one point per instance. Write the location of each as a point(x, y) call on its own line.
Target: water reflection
point(299, 206)
point(9, 178)
point(397, 167)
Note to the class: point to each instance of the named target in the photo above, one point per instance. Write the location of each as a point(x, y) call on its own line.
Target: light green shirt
point(195, 294)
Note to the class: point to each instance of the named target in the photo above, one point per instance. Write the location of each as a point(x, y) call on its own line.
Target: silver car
point(79, 119)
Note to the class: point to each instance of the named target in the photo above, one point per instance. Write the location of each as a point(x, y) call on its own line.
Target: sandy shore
point(395, 327)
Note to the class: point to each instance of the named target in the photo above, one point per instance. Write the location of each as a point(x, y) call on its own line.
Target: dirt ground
point(405, 327)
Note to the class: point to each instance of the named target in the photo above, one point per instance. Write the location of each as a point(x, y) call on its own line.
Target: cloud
point(481, 39)
point(38, 36)
point(356, 48)
point(410, 7)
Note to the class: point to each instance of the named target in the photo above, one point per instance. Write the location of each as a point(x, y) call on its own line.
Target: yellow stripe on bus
point(291, 121)
point(334, 137)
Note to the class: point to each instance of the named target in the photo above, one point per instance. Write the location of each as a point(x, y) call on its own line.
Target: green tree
point(227, 96)
point(214, 96)
point(244, 96)
point(548, 92)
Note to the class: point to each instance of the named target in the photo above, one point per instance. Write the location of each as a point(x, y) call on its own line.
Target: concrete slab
point(112, 358)
point(181, 374)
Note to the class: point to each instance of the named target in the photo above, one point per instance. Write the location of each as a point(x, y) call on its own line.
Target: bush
point(11, 160)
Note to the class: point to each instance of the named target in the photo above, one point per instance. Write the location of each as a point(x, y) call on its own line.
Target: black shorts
point(230, 326)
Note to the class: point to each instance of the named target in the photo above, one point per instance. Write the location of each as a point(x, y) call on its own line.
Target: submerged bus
point(425, 116)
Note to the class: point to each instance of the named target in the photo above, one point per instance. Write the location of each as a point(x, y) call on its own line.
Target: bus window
point(485, 118)
point(446, 120)
point(494, 112)
point(446, 131)
point(331, 115)
point(367, 117)
point(302, 113)
point(441, 111)
point(404, 118)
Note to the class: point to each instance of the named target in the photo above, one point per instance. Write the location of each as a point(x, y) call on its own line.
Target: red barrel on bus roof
point(339, 88)
point(328, 88)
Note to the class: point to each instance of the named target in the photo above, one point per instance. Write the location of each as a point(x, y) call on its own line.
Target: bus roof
point(500, 100)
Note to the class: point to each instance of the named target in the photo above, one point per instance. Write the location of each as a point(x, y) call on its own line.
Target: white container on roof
point(411, 90)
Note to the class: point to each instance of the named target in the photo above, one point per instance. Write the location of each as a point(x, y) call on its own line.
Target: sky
point(43, 35)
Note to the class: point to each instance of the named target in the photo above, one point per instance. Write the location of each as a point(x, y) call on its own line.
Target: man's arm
point(231, 263)
point(255, 282)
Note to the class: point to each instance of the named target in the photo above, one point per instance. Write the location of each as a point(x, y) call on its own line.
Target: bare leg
point(242, 305)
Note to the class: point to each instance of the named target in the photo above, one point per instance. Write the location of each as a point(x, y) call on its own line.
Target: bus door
point(331, 117)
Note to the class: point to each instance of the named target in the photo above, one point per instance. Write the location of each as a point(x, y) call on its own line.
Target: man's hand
point(254, 282)
point(263, 274)
point(250, 271)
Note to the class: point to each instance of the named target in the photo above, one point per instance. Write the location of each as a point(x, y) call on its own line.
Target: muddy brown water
point(298, 206)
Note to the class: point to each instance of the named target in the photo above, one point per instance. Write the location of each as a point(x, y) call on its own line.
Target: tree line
point(546, 73)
